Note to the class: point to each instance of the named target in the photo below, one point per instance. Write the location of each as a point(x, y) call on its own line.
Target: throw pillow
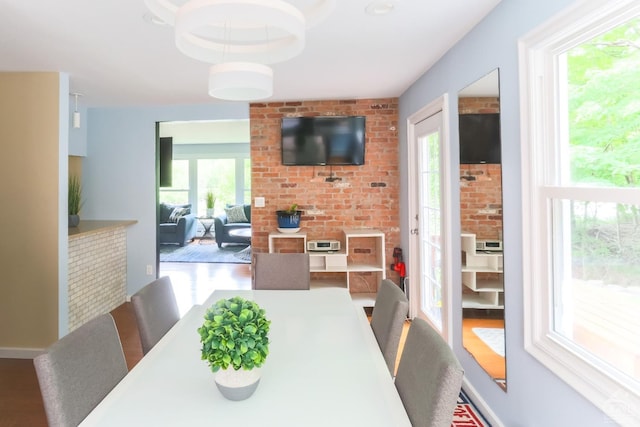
point(178, 213)
point(235, 214)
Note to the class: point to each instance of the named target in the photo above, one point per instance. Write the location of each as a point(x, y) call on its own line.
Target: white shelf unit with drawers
point(341, 262)
point(483, 291)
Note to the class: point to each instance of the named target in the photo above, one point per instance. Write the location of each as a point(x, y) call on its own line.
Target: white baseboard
point(19, 353)
point(491, 417)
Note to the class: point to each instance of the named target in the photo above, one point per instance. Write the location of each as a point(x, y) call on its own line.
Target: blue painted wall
point(535, 396)
point(119, 172)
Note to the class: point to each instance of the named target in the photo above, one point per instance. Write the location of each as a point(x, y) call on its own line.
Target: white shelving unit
point(341, 262)
point(483, 293)
point(374, 264)
point(277, 235)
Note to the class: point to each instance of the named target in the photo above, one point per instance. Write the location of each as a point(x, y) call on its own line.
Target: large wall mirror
point(481, 225)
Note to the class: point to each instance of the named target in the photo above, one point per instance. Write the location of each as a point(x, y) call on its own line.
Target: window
point(429, 147)
point(247, 181)
point(581, 201)
point(219, 177)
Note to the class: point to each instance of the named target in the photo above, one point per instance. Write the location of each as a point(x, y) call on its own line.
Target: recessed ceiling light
point(150, 18)
point(380, 7)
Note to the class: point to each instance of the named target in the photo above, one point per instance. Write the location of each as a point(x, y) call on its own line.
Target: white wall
point(119, 175)
point(535, 396)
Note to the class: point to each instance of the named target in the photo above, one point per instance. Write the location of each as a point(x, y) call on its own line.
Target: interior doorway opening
point(210, 171)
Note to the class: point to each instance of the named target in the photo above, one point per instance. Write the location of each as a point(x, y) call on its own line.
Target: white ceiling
point(115, 56)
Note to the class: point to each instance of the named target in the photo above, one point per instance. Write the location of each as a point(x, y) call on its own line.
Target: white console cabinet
point(481, 276)
point(345, 260)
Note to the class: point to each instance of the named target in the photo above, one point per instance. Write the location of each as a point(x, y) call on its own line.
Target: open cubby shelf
point(342, 261)
point(481, 275)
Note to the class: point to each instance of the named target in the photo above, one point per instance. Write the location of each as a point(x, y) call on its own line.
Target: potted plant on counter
point(235, 344)
point(74, 200)
point(289, 219)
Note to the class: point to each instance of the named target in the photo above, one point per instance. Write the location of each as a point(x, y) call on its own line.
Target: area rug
point(467, 415)
point(205, 251)
point(492, 337)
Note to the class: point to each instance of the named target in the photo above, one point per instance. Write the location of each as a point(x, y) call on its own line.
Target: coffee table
point(241, 232)
point(244, 254)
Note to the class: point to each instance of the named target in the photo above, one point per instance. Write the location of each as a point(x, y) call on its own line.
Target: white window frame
point(614, 394)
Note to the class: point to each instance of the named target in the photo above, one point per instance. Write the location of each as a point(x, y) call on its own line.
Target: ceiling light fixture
point(263, 31)
point(151, 18)
point(76, 113)
point(314, 11)
point(380, 7)
point(240, 81)
point(165, 10)
point(240, 37)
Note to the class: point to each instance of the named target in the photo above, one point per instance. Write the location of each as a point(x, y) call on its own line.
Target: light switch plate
point(258, 202)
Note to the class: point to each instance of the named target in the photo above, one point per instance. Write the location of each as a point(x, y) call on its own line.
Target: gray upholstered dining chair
point(429, 377)
point(156, 311)
point(280, 271)
point(389, 313)
point(79, 370)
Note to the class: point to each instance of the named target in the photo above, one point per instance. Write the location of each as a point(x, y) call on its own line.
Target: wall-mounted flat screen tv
point(479, 138)
point(330, 140)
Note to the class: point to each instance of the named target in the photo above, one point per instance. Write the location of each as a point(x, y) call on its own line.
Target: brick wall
point(479, 105)
point(97, 274)
point(481, 184)
point(363, 197)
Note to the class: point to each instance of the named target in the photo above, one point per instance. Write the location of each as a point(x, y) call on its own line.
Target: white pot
point(209, 212)
point(237, 385)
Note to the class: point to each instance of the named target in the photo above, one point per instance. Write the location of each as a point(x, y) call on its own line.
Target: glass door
point(429, 232)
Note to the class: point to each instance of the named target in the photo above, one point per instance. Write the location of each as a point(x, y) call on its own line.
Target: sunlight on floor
point(193, 283)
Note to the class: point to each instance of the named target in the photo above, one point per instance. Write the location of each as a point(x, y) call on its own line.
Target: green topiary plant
point(235, 333)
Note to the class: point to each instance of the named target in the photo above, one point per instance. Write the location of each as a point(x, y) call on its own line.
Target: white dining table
point(324, 368)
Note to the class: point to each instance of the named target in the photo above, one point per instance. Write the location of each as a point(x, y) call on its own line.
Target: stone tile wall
point(97, 274)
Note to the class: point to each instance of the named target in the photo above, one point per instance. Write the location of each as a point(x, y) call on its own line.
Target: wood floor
point(491, 362)
point(20, 401)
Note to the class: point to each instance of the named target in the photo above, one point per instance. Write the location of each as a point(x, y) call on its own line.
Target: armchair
point(223, 226)
point(176, 227)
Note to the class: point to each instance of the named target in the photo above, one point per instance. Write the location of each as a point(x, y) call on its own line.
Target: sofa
point(228, 221)
point(177, 225)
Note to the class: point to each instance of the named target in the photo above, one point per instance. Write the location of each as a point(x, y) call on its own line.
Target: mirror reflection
point(481, 224)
